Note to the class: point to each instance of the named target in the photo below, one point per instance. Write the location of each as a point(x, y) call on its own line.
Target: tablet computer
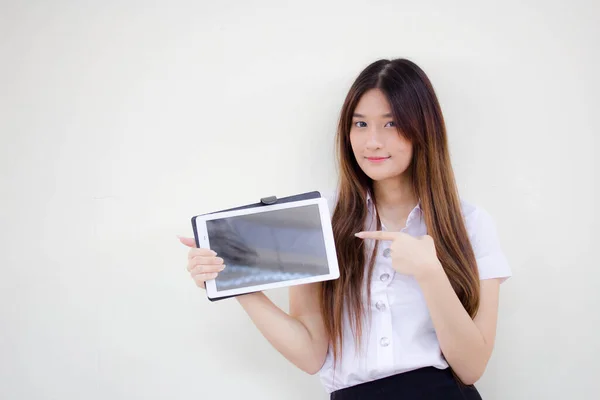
point(271, 246)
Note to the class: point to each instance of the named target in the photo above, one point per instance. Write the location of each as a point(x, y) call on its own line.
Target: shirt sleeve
point(490, 258)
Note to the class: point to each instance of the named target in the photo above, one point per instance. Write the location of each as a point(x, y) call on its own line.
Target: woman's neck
point(395, 200)
point(395, 193)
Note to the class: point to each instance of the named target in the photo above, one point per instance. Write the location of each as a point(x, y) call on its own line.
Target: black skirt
point(422, 384)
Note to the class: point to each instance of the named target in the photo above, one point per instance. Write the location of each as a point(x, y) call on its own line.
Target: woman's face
point(380, 150)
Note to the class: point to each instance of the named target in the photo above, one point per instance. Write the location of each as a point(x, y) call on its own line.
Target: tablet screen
point(271, 246)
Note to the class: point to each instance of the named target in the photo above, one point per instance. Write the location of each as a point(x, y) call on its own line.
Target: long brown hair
point(418, 116)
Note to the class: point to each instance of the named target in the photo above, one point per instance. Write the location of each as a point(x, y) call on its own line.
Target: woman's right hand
point(203, 264)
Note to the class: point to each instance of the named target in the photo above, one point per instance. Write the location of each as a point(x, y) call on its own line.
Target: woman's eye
point(392, 123)
point(360, 124)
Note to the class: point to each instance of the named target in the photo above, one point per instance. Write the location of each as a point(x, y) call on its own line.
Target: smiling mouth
point(377, 159)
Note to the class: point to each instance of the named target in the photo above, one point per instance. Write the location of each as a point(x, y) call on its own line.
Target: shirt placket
point(384, 275)
point(382, 280)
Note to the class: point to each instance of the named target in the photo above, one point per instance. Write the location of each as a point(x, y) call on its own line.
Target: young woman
point(413, 314)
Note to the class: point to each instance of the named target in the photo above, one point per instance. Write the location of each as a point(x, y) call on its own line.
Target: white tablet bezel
point(326, 228)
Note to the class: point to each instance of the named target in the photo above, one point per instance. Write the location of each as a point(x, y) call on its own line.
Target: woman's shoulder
point(483, 235)
point(469, 209)
point(475, 215)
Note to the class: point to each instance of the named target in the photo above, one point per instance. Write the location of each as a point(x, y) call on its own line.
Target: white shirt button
point(384, 277)
point(387, 252)
point(384, 342)
point(380, 305)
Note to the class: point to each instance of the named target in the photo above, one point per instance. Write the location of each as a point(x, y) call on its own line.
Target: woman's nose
point(373, 139)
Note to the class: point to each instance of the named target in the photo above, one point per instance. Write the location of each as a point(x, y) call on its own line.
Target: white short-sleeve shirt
point(399, 336)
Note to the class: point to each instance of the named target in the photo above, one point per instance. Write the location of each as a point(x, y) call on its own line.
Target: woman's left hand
point(410, 255)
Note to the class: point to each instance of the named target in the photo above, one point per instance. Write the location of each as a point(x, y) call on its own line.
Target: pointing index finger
point(377, 235)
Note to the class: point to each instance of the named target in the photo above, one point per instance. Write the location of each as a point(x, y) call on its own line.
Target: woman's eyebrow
point(357, 115)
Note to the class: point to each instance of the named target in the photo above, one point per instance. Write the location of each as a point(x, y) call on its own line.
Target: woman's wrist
point(430, 272)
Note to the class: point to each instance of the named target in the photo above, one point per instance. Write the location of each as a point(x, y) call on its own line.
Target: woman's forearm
point(461, 341)
point(287, 334)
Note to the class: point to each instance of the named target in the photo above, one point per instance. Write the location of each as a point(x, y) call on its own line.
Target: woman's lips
point(377, 160)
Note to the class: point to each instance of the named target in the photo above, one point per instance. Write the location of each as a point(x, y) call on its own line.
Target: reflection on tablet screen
point(268, 247)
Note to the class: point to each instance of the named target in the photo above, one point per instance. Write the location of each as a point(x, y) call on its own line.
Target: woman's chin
point(378, 176)
point(383, 174)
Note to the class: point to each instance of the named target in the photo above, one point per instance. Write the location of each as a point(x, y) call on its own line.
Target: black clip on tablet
point(269, 200)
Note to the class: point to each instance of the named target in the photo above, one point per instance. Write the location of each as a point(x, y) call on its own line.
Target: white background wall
point(119, 120)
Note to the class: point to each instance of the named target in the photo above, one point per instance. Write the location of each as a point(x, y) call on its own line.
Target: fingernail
point(222, 267)
point(358, 234)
